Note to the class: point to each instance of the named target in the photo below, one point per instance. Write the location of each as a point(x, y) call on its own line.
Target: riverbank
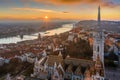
point(15, 39)
point(15, 29)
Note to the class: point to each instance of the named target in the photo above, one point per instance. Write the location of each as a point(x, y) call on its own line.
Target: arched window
point(98, 49)
point(68, 77)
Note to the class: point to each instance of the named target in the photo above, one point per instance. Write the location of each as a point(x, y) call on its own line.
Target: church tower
point(98, 51)
point(98, 42)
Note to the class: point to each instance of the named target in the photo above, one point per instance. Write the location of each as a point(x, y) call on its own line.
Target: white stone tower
point(98, 44)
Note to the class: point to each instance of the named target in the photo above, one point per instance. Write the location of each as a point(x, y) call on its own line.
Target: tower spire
point(99, 17)
point(98, 45)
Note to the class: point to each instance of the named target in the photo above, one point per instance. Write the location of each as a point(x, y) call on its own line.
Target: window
point(68, 77)
point(98, 49)
point(98, 79)
point(56, 76)
point(77, 79)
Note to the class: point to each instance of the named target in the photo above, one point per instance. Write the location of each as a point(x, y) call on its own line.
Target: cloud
point(38, 10)
point(104, 3)
point(35, 9)
point(109, 4)
point(65, 12)
point(75, 1)
point(66, 2)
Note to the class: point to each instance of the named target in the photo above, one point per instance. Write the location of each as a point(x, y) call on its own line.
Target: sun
point(46, 17)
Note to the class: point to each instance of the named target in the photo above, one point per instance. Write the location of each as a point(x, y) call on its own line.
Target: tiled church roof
point(76, 62)
point(52, 59)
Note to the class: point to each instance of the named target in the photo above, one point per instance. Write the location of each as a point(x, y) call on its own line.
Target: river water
point(15, 39)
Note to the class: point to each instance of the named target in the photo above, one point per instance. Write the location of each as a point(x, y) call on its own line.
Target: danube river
point(15, 39)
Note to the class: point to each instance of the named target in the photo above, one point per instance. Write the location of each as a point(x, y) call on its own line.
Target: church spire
point(98, 45)
point(99, 17)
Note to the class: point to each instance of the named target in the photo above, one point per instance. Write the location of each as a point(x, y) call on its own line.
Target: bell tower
point(98, 51)
point(98, 42)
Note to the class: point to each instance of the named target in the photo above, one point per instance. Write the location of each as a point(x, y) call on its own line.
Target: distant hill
point(107, 25)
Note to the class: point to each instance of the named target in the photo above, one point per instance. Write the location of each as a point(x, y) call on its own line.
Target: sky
point(59, 9)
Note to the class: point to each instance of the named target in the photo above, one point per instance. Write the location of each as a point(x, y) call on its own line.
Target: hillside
point(107, 25)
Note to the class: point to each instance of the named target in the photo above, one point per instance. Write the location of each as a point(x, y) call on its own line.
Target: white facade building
point(2, 61)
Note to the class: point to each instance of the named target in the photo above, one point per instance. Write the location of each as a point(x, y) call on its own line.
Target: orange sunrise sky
point(59, 9)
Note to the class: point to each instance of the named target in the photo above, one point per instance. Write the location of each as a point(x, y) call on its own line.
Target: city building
point(55, 67)
point(1, 61)
point(31, 57)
